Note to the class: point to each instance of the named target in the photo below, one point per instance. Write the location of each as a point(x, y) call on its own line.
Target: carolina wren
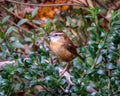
point(62, 47)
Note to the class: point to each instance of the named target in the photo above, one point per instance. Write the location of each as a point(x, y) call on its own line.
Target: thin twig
point(104, 17)
point(1, 0)
point(47, 89)
point(43, 5)
point(109, 82)
point(90, 3)
point(80, 3)
point(101, 5)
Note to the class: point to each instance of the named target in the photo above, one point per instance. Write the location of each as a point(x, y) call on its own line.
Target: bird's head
point(57, 36)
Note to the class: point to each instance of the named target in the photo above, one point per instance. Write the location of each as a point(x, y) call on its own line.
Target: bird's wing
point(70, 47)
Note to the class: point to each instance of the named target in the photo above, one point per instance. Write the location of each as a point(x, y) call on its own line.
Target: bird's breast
point(61, 52)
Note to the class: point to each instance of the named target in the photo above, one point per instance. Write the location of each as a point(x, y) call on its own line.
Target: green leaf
point(28, 16)
point(117, 22)
point(34, 12)
point(89, 16)
point(89, 71)
point(27, 77)
point(115, 14)
point(17, 44)
point(9, 30)
point(102, 34)
point(2, 35)
point(99, 59)
point(36, 22)
point(89, 61)
point(94, 11)
point(100, 71)
point(27, 39)
point(2, 93)
point(15, 55)
point(90, 28)
point(28, 62)
point(69, 21)
point(5, 19)
point(101, 45)
point(20, 70)
point(48, 23)
point(13, 39)
point(74, 94)
point(91, 42)
point(20, 86)
point(7, 67)
point(22, 21)
point(110, 66)
point(75, 88)
point(63, 81)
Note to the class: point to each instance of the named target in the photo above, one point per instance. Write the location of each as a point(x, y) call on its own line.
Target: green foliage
point(100, 69)
point(34, 12)
point(22, 21)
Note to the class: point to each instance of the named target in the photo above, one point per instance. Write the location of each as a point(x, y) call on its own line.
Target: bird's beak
point(48, 37)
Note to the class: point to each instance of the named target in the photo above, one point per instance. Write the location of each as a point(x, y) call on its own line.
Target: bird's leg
point(67, 67)
point(55, 60)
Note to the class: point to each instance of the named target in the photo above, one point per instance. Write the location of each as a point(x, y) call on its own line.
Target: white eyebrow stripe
point(56, 33)
point(59, 33)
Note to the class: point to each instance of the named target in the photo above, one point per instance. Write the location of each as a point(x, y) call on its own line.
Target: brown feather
point(64, 48)
point(72, 48)
point(61, 52)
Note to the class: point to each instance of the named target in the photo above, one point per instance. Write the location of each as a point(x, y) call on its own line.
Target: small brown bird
point(62, 47)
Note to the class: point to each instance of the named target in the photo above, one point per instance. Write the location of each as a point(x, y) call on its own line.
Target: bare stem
point(43, 5)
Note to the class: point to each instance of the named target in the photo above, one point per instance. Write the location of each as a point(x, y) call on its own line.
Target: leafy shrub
point(100, 70)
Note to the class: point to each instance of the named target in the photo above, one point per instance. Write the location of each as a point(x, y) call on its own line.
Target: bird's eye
point(56, 34)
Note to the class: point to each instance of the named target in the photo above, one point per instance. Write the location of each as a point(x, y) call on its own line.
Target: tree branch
point(43, 5)
point(101, 5)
